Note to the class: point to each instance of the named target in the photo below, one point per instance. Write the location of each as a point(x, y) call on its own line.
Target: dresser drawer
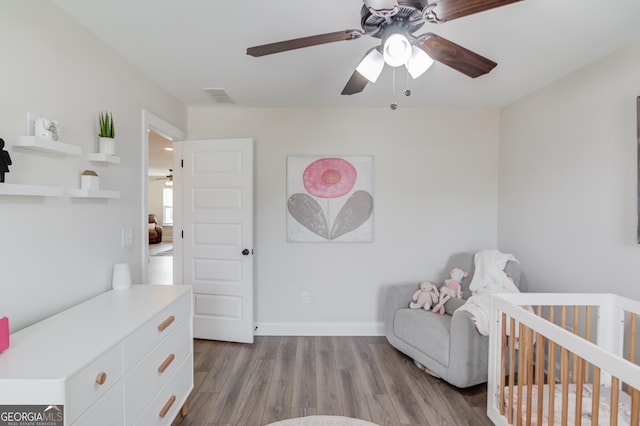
point(92, 382)
point(152, 374)
point(107, 411)
point(167, 404)
point(139, 343)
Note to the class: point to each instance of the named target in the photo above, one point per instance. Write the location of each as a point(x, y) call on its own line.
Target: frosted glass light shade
point(371, 65)
point(419, 62)
point(396, 50)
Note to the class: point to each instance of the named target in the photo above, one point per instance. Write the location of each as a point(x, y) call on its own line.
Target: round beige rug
point(322, 421)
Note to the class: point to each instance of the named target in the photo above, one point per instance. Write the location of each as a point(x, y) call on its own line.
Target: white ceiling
point(160, 160)
point(187, 45)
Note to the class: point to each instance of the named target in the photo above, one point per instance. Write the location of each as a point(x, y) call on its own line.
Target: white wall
point(435, 194)
point(56, 252)
point(568, 173)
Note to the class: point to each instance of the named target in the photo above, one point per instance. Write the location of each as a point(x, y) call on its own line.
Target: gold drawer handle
point(167, 406)
point(101, 378)
point(166, 363)
point(166, 323)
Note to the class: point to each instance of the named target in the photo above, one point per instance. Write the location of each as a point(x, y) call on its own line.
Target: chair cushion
point(426, 331)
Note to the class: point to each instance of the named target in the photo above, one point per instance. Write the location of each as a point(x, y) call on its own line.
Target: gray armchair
point(448, 346)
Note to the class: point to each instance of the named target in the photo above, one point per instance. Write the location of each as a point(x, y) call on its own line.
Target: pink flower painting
point(329, 178)
point(333, 201)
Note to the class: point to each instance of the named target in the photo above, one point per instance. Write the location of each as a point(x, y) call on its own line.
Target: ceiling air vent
point(218, 95)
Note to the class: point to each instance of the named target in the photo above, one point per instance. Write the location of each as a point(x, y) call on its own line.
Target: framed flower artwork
point(330, 199)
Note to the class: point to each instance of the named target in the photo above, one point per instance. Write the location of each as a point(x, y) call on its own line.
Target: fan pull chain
point(407, 91)
point(394, 105)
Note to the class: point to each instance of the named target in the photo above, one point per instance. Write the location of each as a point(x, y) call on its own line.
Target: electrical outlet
point(305, 296)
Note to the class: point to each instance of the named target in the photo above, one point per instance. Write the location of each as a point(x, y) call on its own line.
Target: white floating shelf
point(31, 190)
point(93, 193)
point(104, 158)
point(41, 144)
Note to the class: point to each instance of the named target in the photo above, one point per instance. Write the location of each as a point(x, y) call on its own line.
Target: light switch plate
point(127, 236)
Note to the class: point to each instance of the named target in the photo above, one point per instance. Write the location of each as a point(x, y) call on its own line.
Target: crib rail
point(563, 359)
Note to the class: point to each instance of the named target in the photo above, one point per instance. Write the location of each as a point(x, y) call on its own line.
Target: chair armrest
point(399, 296)
point(396, 297)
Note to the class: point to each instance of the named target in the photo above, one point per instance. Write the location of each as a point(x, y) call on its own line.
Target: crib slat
point(576, 330)
point(529, 354)
point(579, 378)
point(521, 374)
point(512, 363)
point(635, 407)
point(595, 396)
point(564, 379)
point(540, 372)
point(503, 363)
point(552, 373)
point(615, 393)
point(587, 336)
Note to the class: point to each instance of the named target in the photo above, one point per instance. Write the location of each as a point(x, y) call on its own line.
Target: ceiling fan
point(394, 22)
point(168, 178)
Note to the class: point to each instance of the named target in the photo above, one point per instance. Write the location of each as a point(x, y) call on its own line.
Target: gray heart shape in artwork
point(307, 212)
point(354, 213)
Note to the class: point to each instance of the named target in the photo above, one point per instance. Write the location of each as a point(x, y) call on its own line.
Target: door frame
point(150, 121)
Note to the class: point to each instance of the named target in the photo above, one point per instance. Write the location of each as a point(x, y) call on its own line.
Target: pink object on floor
point(4, 333)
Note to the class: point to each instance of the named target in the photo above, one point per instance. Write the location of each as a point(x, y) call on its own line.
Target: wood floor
point(283, 377)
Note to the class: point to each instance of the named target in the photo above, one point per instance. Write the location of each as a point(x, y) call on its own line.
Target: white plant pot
point(106, 146)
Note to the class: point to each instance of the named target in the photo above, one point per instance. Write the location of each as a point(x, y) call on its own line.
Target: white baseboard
point(319, 329)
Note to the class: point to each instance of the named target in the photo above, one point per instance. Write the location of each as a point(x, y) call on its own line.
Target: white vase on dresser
point(122, 358)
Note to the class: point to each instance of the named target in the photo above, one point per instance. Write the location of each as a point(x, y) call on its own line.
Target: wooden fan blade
point(455, 56)
point(298, 43)
point(446, 10)
point(356, 84)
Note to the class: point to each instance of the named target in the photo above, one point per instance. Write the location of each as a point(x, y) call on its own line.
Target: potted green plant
point(106, 133)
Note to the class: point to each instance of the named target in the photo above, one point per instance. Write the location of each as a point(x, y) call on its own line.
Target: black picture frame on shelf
point(5, 161)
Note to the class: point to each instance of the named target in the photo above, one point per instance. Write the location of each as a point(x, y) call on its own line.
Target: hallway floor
point(160, 268)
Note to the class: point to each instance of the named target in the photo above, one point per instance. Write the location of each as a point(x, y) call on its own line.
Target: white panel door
point(217, 205)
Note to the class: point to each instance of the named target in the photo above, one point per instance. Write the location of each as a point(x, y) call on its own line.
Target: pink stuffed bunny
point(424, 297)
point(451, 288)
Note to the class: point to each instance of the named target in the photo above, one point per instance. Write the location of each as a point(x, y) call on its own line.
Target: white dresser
point(122, 358)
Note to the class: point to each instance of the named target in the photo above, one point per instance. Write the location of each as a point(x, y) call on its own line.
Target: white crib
point(563, 359)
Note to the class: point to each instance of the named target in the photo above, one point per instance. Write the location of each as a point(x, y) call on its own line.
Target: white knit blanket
point(489, 277)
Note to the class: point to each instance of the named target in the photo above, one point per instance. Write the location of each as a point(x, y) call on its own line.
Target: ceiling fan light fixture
point(419, 62)
point(396, 50)
point(371, 65)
